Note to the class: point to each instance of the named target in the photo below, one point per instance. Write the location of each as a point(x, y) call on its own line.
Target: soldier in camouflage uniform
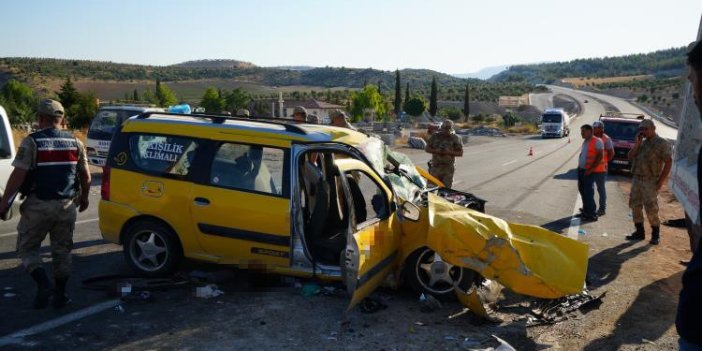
point(49, 166)
point(444, 146)
point(651, 159)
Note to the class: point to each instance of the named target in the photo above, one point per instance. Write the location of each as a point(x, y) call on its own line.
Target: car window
point(621, 131)
point(107, 121)
point(5, 149)
point(163, 154)
point(248, 167)
point(369, 200)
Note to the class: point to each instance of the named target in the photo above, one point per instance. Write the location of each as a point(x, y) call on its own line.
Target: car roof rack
point(617, 114)
point(219, 119)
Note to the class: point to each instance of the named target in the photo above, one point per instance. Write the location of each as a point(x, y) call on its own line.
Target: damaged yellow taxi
point(312, 201)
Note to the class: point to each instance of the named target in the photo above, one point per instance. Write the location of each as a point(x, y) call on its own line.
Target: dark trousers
point(586, 187)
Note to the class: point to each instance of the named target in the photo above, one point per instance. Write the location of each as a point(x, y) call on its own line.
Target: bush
point(452, 113)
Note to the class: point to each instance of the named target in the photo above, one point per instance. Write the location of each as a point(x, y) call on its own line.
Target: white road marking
point(17, 337)
point(509, 163)
point(77, 222)
point(575, 221)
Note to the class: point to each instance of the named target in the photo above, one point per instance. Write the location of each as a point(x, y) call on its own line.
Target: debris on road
point(119, 308)
point(554, 311)
point(371, 305)
point(208, 291)
point(9, 294)
point(310, 289)
point(429, 303)
point(482, 130)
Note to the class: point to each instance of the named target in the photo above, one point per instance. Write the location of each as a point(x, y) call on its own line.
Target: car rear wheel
point(427, 273)
point(152, 248)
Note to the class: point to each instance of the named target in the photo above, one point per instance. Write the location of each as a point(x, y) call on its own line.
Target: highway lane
point(622, 105)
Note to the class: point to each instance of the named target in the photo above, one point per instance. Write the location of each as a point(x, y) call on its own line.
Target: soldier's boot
point(60, 297)
point(655, 235)
point(638, 234)
point(41, 300)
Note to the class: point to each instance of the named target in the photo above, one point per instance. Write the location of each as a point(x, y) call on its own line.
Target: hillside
point(215, 64)
point(44, 74)
point(660, 64)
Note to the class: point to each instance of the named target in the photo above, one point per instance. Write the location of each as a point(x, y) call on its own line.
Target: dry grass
point(523, 129)
point(580, 81)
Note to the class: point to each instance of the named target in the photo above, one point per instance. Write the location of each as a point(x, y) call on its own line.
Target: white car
point(7, 155)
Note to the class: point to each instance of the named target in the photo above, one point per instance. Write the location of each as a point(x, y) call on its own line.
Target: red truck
point(622, 128)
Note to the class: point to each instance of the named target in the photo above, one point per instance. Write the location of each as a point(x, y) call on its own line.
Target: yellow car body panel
point(111, 226)
point(530, 260)
point(159, 197)
point(259, 233)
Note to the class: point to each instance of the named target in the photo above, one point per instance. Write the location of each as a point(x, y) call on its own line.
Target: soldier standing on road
point(651, 161)
point(444, 146)
point(601, 177)
point(48, 166)
point(689, 316)
point(590, 163)
point(299, 114)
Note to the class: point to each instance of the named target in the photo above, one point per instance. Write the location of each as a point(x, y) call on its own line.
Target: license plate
point(620, 162)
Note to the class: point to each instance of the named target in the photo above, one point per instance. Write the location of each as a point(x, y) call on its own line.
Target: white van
point(104, 124)
point(7, 155)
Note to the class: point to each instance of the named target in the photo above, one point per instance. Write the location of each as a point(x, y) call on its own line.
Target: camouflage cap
point(48, 107)
point(242, 112)
point(299, 109)
point(647, 123)
point(447, 124)
point(597, 124)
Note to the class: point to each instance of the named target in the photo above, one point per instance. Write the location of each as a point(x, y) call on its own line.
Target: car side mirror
point(409, 210)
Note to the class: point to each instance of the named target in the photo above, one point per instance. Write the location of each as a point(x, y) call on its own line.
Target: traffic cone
point(531, 151)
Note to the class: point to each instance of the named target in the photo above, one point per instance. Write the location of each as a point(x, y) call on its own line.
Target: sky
point(442, 35)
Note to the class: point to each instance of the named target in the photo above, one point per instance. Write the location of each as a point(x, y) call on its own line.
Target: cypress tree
point(398, 94)
point(433, 97)
point(407, 92)
point(466, 104)
point(135, 95)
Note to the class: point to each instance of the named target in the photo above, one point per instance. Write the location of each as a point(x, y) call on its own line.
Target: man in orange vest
point(590, 163)
point(601, 178)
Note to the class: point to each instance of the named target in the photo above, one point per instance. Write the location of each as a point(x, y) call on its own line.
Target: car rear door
point(241, 206)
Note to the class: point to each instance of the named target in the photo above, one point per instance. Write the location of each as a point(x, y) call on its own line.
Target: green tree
point(466, 102)
point(135, 95)
point(150, 97)
point(416, 105)
point(407, 93)
point(68, 95)
point(164, 95)
point(236, 99)
point(82, 111)
point(433, 96)
point(211, 101)
point(19, 102)
point(398, 94)
point(451, 112)
point(509, 119)
point(368, 98)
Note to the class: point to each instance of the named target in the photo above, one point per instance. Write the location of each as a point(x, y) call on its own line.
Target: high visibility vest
point(605, 138)
point(592, 154)
point(56, 164)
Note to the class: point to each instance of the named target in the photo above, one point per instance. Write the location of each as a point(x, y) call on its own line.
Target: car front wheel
point(427, 273)
point(152, 248)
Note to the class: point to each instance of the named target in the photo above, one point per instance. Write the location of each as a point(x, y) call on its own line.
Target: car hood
point(527, 259)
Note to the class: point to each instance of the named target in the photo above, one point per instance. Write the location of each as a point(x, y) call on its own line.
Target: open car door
point(372, 249)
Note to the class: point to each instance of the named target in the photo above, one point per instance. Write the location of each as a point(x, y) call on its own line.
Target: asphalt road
point(536, 189)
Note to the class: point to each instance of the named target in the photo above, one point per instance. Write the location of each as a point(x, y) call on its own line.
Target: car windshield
point(552, 118)
point(107, 121)
point(395, 167)
point(621, 131)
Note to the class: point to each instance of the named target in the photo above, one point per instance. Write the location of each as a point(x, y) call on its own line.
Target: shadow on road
point(569, 175)
point(651, 314)
point(606, 265)
point(558, 225)
point(46, 249)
